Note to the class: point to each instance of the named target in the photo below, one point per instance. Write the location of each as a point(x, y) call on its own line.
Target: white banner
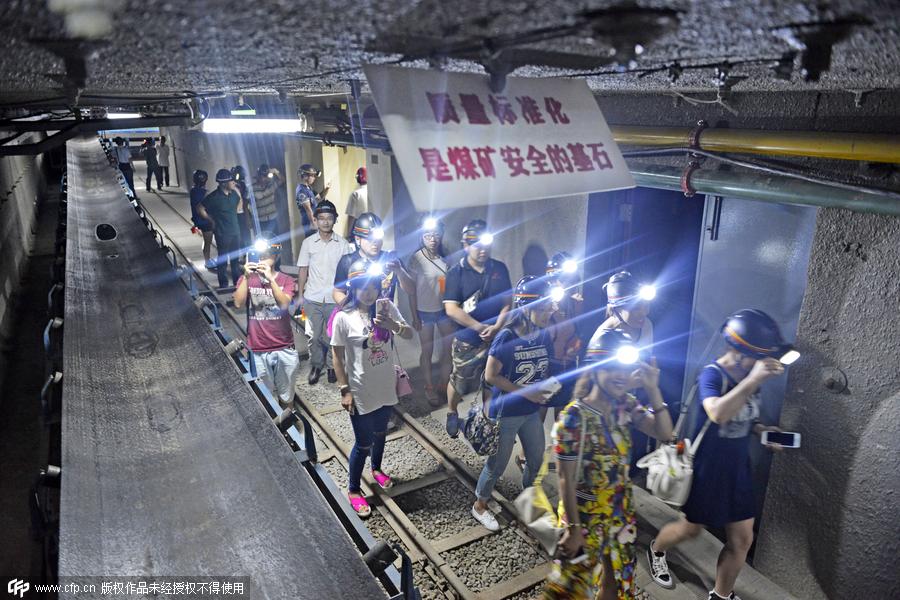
point(459, 144)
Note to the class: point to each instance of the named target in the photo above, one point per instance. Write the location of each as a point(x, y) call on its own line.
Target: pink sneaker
point(360, 505)
point(383, 480)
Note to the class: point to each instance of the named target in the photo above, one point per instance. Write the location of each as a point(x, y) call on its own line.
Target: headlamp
point(430, 224)
point(647, 292)
point(261, 245)
point(270, 175)
point(375, 270)
point(788, 356)
point(377, 233)
point(486, 239)
point(569, 266)
point(557, 293)
point(627, 355)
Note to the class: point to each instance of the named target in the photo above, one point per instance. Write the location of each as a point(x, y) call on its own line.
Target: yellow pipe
point(815, 144)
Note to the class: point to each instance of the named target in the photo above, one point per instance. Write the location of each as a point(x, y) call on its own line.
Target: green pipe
point(765, 188)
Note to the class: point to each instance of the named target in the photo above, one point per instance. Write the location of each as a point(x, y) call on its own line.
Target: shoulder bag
point(534, 508)
point(670, 468)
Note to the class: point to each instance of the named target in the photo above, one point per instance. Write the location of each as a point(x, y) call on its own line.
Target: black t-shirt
point(463, 281)
point(388, 287)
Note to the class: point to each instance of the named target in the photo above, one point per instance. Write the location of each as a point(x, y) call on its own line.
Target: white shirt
point(123, 154)
point(162, 155)
point(430, 276)
point(645, 341)
point(370, 371)
point(358, 202)
point(322, 259)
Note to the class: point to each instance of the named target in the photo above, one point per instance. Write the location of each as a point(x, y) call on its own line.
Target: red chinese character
point(559, 159)
point(461, 159)
point(600, 156)
point(554, 107)
point(580, 158)
point(531, 112)
point(502, 109)
point(539, 161)
point(514, 160)
point(435, 167)
point(483, 155)
point(475, 110)
point(443, 108)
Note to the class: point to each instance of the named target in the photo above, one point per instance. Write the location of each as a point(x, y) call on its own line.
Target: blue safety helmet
point(754, 333)
point(613, 348)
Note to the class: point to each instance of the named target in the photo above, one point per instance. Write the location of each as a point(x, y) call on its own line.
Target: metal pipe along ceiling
point(764, 188)
point(814, 144)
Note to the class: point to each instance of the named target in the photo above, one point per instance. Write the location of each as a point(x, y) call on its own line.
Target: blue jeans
point(531, 433)
point(280, 366)
point(369, 430)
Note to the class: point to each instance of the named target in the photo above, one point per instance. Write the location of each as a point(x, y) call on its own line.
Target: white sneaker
point(486, 519)
point(659, 568)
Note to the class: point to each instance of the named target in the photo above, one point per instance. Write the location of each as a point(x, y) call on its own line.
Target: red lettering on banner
point(483, 155)
point(514, 160)
point(461, 159)
point(554, 107)
point(538, 161)
point(442, 107)
point(600, 156)
point(474, 109)
point(502, 109)
point(559, 159)
point(531, 112)
point(580, 158)
point(435, 167)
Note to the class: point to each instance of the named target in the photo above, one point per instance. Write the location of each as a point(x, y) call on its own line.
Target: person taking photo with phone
point(361, 343)
point(592, 443)
point(722, 489)
point(269, 334)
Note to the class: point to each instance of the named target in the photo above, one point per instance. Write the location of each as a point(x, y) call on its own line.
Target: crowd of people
point(520, 349)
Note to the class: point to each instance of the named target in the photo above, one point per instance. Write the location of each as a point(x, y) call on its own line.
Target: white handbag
point(670, 468)
point(535, 510)
point(670, 471)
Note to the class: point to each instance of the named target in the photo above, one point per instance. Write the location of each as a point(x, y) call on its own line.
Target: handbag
point(535, 510)
point(403, 386)
point(482, 432)
point(670, 468)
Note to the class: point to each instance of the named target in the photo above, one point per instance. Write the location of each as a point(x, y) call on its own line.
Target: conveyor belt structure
point(170, 465)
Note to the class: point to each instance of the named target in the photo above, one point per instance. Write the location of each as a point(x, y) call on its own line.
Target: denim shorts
point(431, 318)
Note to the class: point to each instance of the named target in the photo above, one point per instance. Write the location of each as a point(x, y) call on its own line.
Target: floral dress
point(604, 497)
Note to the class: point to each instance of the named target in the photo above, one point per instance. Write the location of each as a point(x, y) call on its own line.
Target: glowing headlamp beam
point(261, 245)
point(377, 233)
point(486, 239)
point(627, 355)
point(647, 292)
point(557, 294)
point(789, 357)
point(569, 266)
point(375, 270)
point(430, 223)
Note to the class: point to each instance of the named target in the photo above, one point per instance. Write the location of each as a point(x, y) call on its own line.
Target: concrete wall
point(21, 187)
point(831, 527)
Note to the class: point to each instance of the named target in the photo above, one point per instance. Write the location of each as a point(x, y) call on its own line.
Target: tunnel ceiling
point(308, 47)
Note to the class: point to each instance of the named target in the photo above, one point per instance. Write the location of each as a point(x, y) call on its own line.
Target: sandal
point(360, 506)
point(383, 480)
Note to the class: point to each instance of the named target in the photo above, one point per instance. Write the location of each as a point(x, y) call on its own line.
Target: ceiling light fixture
point(252, 125)
point(123, 115)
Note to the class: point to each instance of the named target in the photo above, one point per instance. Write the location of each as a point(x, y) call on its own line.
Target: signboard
point(460, 144)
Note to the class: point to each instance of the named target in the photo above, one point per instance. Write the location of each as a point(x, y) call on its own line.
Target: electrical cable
point(762, 167)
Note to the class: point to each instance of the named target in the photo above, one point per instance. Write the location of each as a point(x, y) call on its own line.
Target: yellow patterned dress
point(604, 499)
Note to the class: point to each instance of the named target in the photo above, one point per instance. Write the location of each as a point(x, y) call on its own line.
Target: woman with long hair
point(722, 488)
point(592, 444)
point(362, 340)
point(428, 270)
